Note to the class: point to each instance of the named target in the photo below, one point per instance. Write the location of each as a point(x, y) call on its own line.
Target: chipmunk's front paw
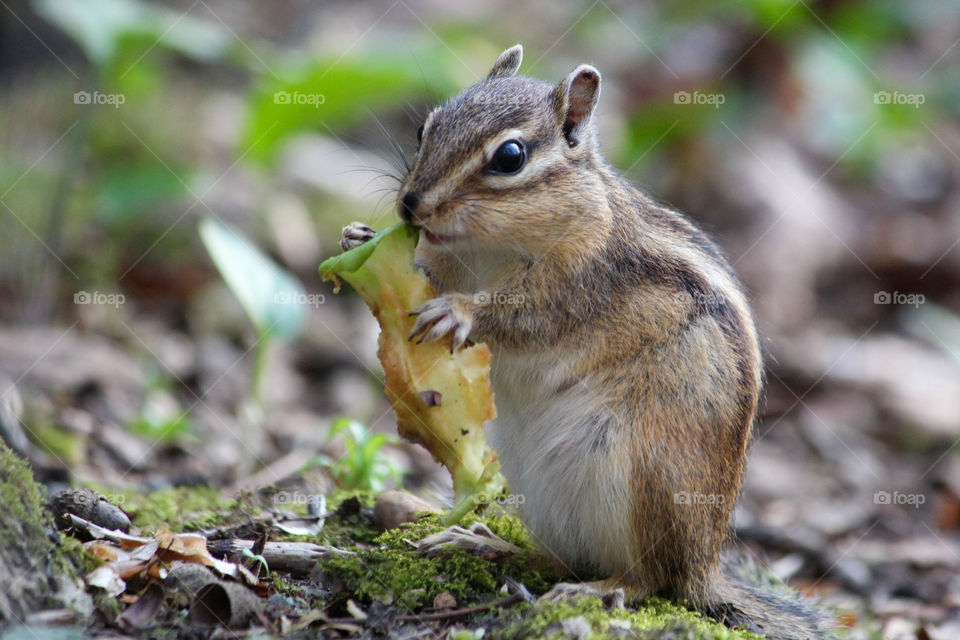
point(447, 315)
point(611, 596)
point(354, 235)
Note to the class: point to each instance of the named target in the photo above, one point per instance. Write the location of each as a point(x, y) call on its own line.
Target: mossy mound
point(654, 619)
point(393, 571)
point(36, 573)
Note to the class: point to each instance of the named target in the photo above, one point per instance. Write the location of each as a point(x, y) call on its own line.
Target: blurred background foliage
point(818, 141)
point(199, 96)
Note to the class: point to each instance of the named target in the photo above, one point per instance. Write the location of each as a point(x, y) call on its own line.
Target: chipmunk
point(626, 366)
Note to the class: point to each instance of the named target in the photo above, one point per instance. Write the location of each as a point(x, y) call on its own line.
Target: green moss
point(395, 571)
point(26, 528)
point(22, 496)
point(179, 508)
point(22, 499)
point(342, 530)
point(83, 559)
point(654, 618)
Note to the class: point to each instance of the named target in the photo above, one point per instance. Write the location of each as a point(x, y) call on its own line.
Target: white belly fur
point(576, 502)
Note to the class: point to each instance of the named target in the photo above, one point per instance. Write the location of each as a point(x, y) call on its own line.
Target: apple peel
point(441, 398)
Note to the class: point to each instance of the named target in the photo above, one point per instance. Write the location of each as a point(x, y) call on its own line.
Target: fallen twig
point(297, 558)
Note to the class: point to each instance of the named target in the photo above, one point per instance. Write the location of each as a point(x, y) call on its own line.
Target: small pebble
point(444, 600)
point(394, 508)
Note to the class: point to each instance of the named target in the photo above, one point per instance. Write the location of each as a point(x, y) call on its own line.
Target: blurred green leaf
point(885, 22)
point(160, 416)
point(778, 15)
point(160, 429)
point(126, 191)
point(270, 295)
point(98, 25)
point(839, 106)
point(658, 125)
point(335, 93)
point(771, 17)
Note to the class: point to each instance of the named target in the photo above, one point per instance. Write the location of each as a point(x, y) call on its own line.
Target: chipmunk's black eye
point(420, 134)
point(509, 157)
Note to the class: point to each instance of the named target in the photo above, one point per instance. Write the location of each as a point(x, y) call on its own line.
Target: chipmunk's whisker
point(379, 171)
point(394, 144)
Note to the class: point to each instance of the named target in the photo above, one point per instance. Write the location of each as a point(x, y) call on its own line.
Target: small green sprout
point(256, 557)
point(361, 466)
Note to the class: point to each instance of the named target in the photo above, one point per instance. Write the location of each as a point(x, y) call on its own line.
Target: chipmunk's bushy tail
point(743, 596)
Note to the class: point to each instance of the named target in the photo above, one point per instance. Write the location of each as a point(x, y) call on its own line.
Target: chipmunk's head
point(507, 163)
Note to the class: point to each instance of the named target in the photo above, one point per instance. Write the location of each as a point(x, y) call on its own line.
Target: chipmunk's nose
point(408, 205)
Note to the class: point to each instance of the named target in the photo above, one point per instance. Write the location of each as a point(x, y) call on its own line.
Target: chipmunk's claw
point(478, 540)
point(612, 598)
point(441, 317)
point(354, 235)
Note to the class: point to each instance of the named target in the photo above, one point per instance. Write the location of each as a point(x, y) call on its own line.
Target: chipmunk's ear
point(508, 63)
point(575, 99)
